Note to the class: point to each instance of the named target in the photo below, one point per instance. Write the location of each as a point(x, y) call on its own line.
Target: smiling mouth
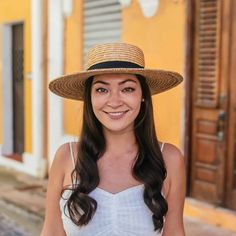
point(116, 115)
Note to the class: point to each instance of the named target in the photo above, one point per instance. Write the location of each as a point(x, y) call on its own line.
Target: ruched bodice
point(120, 214)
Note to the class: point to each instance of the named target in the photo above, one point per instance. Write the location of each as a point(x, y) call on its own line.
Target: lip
point(116, 115)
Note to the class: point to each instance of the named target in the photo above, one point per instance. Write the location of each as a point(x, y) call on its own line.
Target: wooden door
point(231, 160)
point(209, 104)
point(212, 86)
point(18, 88)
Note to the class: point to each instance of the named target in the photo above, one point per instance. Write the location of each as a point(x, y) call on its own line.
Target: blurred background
point(43, 39)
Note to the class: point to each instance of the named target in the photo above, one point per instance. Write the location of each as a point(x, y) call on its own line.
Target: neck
point(120, 143)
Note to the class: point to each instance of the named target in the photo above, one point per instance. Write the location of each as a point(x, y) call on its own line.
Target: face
point(116, 101)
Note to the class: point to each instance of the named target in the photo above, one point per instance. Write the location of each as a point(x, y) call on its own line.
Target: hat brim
point(72, 86)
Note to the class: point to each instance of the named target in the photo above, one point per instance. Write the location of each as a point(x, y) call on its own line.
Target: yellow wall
point(162, 39)
point(73, 55)
point(12, 11)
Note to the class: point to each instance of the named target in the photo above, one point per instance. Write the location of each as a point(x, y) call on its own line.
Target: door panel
point(18, 88)
point(208, 27)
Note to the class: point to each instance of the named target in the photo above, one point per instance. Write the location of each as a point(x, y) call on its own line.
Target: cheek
point(134, 104)
point(138, 106)
point(138, 103)
point(136, 100)
point(97, 103)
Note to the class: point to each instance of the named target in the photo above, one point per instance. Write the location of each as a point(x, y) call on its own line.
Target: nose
point(114, 100)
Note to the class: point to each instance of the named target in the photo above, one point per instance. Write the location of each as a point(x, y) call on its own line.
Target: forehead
point(115, 77)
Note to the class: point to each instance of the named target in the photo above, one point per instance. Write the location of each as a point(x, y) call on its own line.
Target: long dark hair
point(149, 167)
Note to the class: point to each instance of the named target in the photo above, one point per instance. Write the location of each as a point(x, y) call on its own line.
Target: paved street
point(195, 227)
point(15, 221)
point(9, 228)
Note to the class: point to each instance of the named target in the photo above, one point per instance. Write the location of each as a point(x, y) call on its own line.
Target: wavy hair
point(149, 167)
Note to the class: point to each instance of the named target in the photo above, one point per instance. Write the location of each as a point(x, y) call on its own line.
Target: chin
point(123, 129)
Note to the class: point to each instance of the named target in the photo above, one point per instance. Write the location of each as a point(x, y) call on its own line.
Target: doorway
point(18, 88)
point(13, 90)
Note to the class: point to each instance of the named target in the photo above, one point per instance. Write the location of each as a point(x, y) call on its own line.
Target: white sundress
point(120, 214)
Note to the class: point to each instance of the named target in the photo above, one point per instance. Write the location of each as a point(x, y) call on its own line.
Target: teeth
point(116, 113)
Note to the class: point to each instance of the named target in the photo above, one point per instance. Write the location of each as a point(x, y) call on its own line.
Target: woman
point(118, 179)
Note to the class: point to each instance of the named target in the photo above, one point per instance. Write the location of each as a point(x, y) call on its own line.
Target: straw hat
point(114, 58)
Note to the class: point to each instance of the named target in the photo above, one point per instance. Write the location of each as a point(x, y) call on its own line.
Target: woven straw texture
point(114, 52)
point(72, 86)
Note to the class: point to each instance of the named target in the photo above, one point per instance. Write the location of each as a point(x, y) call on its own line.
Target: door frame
point(188, 73)
point(230, 165)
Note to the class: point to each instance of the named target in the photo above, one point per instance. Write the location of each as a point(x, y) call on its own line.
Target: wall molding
point(7, 93)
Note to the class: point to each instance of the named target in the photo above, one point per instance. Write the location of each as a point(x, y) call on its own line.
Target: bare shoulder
point(64, 161)
point(60, 156)
point(75, 146)
point(175, 167)
point(61, 161)
point(173, 157)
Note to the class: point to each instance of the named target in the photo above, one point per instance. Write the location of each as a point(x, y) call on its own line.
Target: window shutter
point(207, 56)
point(102, 22)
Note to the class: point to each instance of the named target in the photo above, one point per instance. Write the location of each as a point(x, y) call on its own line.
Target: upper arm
point(53, 223)
point(176, 178)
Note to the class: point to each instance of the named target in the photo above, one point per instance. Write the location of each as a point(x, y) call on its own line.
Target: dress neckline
point(126, 190)
point(111, 194)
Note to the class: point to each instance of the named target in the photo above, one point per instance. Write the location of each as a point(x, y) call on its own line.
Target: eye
point(101, 90)
point(128, 90)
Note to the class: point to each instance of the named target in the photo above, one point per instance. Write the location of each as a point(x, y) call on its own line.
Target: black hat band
point(114, 64)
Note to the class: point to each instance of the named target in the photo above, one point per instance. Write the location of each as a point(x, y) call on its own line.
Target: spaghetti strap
point(72, 154)
point(162, 146)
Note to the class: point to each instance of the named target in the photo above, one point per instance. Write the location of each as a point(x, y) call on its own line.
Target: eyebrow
point(122, 82)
